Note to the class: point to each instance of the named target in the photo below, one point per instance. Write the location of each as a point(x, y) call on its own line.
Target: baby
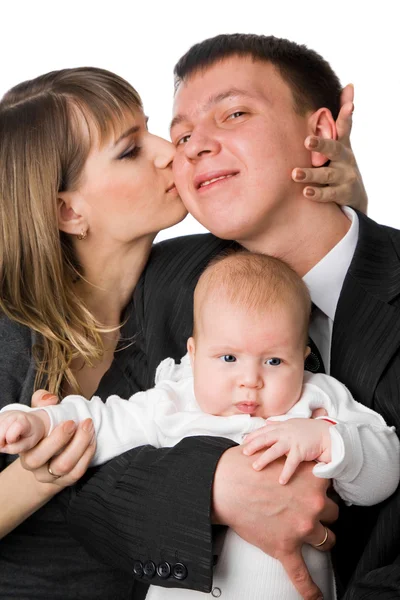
point(245, 365)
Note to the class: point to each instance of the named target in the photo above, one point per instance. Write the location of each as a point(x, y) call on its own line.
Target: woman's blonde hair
point(43, 148)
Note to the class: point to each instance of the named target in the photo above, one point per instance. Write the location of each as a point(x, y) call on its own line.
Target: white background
point(142, 41)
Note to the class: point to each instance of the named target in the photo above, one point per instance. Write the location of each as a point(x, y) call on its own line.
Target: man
point(243, 106)
point(238, 127)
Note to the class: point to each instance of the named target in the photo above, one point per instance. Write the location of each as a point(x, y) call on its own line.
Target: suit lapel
point(366, 329)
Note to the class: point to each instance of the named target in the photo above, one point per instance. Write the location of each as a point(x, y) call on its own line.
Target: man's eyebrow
point(212, 100)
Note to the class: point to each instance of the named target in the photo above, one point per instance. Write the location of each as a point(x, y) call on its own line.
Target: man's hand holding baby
point(299, 439)
point(20, 431)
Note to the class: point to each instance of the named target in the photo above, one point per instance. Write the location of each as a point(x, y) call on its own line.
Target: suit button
point(149, 569)
point(179, 571)
point(138, 568)
point(164, 570)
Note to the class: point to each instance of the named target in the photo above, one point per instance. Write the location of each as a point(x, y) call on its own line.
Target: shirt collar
point(325, 279)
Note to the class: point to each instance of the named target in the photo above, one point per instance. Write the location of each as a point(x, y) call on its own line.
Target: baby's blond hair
point(255, 282)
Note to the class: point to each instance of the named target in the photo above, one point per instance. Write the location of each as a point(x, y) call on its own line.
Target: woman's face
point(126, 191)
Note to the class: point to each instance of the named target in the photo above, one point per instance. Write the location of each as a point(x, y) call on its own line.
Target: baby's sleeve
point(119, 424)
point(365, 465)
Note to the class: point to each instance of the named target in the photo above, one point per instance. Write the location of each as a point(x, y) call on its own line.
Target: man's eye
point(236, 114)
point(274, 362)
point(229, 358)
point(183, 140)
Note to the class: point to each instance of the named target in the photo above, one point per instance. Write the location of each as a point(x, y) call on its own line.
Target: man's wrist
point(219, 489)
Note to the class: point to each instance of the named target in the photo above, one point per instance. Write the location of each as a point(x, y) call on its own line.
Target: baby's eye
point(274, 362)
point(229, 358)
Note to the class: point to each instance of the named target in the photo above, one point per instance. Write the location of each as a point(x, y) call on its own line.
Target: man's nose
point(201, 143)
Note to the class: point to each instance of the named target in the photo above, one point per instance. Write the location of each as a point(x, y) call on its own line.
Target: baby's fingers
point(3, 431)
point(18, 447)
point(263, 439)
point(261, 431)
point(292, 462)
point(17, 429)
point(276, 451)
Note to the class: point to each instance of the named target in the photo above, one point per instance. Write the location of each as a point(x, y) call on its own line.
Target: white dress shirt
point(325, 281)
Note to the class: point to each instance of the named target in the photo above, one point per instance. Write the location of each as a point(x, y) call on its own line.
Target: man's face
point(238, 138)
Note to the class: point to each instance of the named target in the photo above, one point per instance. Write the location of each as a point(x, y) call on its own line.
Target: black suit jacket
point(154, 504)
point(366, 358)
point(150, 507)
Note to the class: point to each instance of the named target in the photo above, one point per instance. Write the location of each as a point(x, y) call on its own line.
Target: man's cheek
point(181, 176)
point(177, 164)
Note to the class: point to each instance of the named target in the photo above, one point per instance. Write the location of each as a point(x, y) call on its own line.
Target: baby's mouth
point(248, 408)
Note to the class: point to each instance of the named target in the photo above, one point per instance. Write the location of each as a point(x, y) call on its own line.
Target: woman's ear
point(322, 124)
point(69, 220)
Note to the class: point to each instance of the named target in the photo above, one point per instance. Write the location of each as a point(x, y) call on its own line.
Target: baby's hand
point(20, 431)
point(300, 439)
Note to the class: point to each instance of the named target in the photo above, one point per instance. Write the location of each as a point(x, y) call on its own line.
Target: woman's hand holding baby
point(68, 450)
point(20, 431)
point(299, 439)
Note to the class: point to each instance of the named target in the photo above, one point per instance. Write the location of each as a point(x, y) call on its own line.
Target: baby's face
point(247, 363)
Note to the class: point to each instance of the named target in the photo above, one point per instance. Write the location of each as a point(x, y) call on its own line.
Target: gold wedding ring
point(324, 540)
point(51, 472)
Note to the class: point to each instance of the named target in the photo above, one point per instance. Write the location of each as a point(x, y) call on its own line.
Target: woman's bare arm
point(20, 496)
point(22, 493)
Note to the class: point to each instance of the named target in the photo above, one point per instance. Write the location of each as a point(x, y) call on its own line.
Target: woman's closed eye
point(131, 153)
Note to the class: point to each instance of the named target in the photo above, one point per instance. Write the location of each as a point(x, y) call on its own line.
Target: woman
point(92, 187)
point(84, 190)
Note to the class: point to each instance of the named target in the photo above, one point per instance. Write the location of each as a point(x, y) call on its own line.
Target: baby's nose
point(251, 379)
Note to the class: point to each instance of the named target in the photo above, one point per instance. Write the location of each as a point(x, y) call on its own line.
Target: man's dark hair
point(311, 79)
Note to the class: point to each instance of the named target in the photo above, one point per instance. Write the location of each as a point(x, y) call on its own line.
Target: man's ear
point(307, 352)
point(191, 349)
point(69, 220)
point(322, 124)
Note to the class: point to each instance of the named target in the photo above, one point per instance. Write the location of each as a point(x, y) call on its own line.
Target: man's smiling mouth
point(205, 183)
point(204, 180)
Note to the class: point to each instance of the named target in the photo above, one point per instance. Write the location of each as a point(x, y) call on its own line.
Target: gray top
point(40, 559)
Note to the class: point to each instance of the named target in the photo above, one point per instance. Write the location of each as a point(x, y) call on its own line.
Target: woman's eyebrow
point(127, 133)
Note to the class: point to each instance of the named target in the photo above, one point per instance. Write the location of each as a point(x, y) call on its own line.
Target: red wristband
point(328, 420)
